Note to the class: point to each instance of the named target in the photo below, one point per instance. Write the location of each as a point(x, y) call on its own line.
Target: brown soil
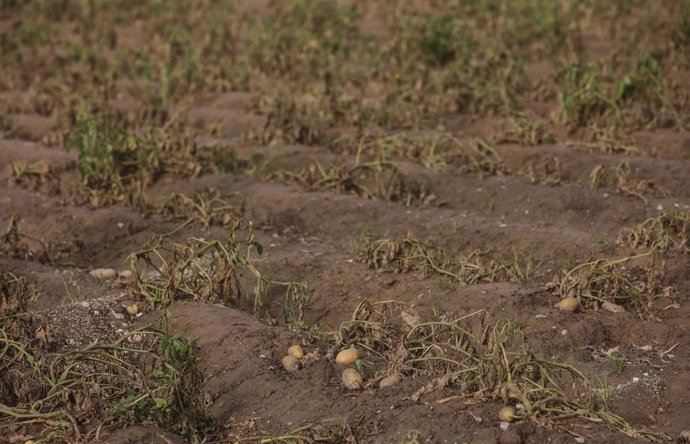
point(309, 236)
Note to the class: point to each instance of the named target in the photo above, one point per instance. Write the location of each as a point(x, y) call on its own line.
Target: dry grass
point(431, 150)
point(38, 176)
point(620, 176)
point(527, 129)
point(609, 140)
point(668, 231)
point(410, 254)
point(546, 170)
point(206, 208)
point(16, 295)
point(372, 180)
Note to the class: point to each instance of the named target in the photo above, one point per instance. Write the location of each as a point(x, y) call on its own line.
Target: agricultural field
point(299, 221)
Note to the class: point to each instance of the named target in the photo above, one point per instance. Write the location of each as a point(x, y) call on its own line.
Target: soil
point(309, 236)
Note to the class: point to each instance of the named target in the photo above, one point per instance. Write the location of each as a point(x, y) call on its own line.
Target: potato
point(296, 351)
point(506, 414)
point(611, 307)
point(291, 363)
point(103, 273)
point(390, 380)
point(125, 274)
point(352, 379)
point(569, 304)
point(347, 356)
point(133, 309)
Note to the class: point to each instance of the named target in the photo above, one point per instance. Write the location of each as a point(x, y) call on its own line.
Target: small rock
point(504, 425)
point(85, 304)
point(103, 273)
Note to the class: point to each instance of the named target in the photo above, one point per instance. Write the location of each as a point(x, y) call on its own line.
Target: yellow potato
point(506, 414)
point(352, 379)
point(296, 351)
point(291, 363)
point(132, 309)
point(390, 380)
point(103, 273)
point(125, 274)
point(569, 304)
point(347, 356)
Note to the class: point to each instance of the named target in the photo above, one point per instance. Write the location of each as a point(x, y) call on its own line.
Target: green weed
point(582, 98)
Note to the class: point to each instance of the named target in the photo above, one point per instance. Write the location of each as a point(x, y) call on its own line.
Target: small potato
point(296, 351)
point(133, 309)
point(125, 274)
point(390, 381)
point(103, 273)
point(611, 307)
point(291, 363)
point(506, 414)
point(347, 356)
point(352, 379)
point(569, 304)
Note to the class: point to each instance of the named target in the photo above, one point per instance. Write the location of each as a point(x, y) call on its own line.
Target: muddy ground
point(542, 205)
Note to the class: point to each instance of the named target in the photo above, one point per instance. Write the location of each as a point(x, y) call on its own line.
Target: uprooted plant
point(614, 285)
point(668, 231)
point(40, 176)
point(544, 169)
point(430, 150)
point(472, 358)
point(208, 207)
point(373, 180)
point(15, 293)
point(410, 254)
point(528, 129)
point(19, 244)
point(620, 176)
point(70, 395)
point(212, 271)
